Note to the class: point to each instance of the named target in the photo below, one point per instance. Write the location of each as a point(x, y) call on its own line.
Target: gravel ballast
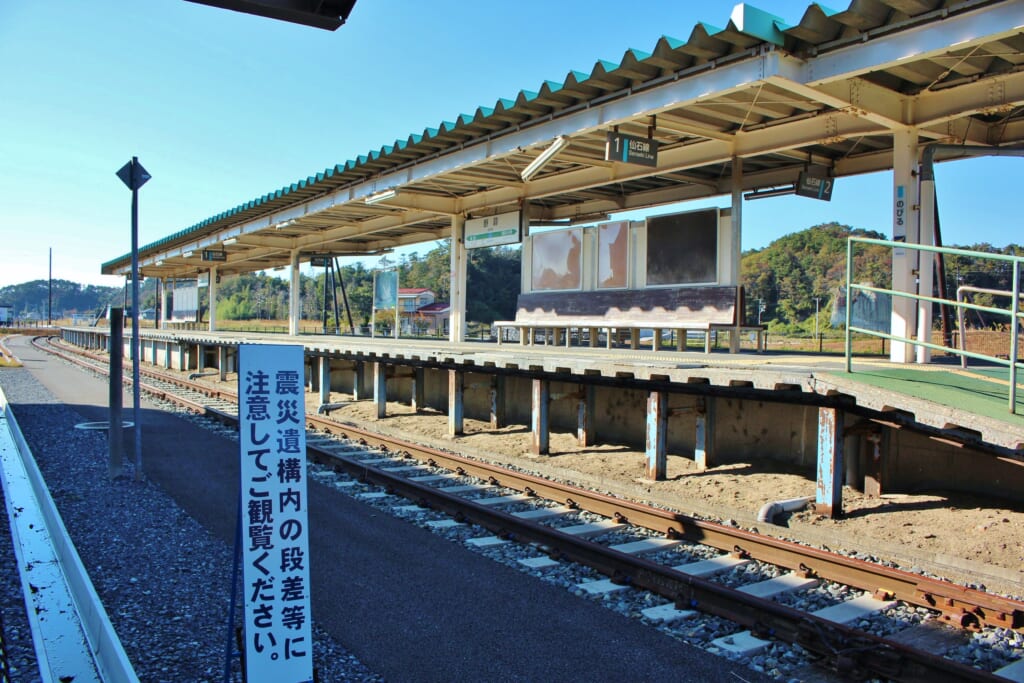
point(163, 579)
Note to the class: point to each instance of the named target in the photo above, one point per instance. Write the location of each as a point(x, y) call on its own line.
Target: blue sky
point(222, 107)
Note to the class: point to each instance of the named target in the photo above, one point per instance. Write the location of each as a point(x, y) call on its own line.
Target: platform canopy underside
point(825, 95)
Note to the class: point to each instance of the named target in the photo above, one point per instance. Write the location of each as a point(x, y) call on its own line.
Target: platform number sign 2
point(274, 523)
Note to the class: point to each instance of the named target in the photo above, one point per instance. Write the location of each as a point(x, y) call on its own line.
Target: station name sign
point(815, 187)
point(492, 231)
point(631, 149)
point(214, 255)
point(319, 261)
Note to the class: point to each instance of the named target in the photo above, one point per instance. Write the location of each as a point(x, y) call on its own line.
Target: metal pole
point(136, 345)
point(49, 302)
point(849, 305)
point(115, 432)
point(1014, 327)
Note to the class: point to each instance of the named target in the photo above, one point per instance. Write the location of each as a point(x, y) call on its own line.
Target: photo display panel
point(612, 254)
point(557, 260)
point(682, 248)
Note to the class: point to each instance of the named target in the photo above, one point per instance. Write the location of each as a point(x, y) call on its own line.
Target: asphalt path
point(411, 605)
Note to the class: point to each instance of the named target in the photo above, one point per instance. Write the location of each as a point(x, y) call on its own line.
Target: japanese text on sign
point(275, 535)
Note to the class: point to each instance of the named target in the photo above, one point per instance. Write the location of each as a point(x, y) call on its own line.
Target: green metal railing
point(1013, 313)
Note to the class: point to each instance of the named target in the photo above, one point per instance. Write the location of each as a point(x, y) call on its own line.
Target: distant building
point(421, 314)
point(6, 314)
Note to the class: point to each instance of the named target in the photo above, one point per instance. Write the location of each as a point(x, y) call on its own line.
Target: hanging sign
point(214, 255)
point(815, 187)
point(631, 149)
point(492, 231)
point(275, 529)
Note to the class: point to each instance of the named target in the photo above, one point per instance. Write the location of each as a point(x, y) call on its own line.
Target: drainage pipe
point(770, 510)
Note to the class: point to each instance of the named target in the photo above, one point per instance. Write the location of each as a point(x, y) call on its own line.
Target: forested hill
point(30, 299)
point(785, 277)
point(790, 272)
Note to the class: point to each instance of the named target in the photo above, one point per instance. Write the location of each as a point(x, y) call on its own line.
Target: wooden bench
point(682, 309)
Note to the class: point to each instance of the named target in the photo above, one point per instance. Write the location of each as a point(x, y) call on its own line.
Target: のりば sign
point(275, 533)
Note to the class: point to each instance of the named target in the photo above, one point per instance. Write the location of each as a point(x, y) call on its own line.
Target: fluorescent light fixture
point(285, 224)
point(160, 262)
point(381, 196)
point(187, 254)
point(560, 143)
point(229, 241)
point(762, 192)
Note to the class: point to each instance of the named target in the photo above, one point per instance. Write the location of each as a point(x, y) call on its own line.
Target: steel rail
point(848, 650)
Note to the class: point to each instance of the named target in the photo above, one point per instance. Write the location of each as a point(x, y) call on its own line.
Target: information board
point(275, 530)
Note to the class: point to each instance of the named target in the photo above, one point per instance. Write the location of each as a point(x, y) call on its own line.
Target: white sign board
point(492, 231)
point(275, 531)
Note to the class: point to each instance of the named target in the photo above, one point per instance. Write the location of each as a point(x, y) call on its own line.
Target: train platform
point(406, 603)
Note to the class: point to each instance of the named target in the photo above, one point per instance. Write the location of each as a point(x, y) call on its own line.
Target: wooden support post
point(325, 379)
point(593, 337)
point(380, 388)
point(873, 464)
point(704, 449)
point(455, 403)
point(497, 401)
point(829, 488)
point(586, 424)
point(416, 392)
point(540, 399)
point(657, 425)
point(634, 338)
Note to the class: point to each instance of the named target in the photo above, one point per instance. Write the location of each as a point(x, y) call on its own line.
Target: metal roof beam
point(995, 95)
point(932, 38)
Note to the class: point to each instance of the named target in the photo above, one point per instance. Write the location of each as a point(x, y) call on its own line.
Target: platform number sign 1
point(274, 523)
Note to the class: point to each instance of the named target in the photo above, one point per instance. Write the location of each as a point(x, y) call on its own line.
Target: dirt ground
point(960, 537)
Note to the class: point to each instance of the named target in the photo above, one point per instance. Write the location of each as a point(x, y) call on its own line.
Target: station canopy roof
point(826, 94)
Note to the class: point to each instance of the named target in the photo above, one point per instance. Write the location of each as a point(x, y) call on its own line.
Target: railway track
point(763, 591)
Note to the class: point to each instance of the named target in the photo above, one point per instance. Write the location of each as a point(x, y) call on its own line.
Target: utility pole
point(49, 300)
point(816, 300)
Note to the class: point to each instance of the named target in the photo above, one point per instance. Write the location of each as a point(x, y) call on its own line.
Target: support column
point(165, 300)
point(222, 362)
point(539, 424)
point(380, 388)
point(325, 379)
point(417, 393)
point(294, 295)
point(828, 498)
point(457, 324)
point(926, 268)
point(497, 401)
point(167, 355)
point(904, 229)
point(657, 426)
point(704, 448)
point(585, 421)
point(455, 403)
point(182, 356)
point(736, 244)
point(357, 380)
point(212, 291)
